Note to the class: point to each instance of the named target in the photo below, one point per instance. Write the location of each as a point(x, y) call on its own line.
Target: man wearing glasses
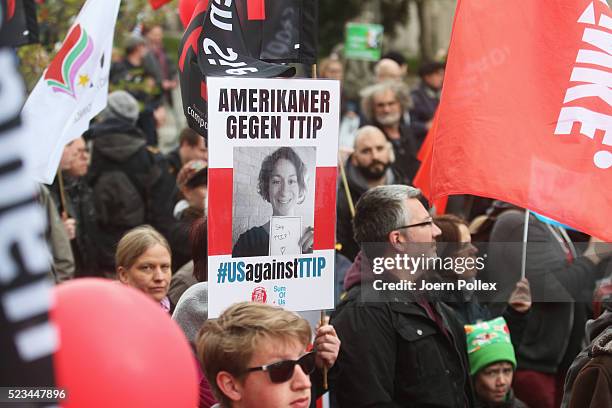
point(399, 349)
point(255, 355)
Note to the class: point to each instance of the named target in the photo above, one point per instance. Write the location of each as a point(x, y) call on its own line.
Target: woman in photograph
point(282, 183)
point(143, 261)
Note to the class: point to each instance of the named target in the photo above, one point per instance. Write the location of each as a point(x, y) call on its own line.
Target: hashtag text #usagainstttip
point(298, 268)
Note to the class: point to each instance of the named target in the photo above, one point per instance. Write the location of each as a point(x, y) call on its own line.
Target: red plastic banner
point(525, 114)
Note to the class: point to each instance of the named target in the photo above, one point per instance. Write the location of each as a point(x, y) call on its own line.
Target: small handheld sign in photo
point(285, 234)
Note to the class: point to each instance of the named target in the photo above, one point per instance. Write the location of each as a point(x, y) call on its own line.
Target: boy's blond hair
point(228, 343)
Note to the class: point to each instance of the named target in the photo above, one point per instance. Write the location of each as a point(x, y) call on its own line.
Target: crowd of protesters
point(120, 209)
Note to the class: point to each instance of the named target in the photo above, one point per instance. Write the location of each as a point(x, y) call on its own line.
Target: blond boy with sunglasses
point(255, 355)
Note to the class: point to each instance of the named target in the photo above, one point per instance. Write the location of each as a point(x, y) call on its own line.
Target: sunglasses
point(283, 370)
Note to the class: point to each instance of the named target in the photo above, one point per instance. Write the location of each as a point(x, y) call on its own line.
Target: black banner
point(286, 32)
point(27, 338)
point(19, 24)
point(222, 41)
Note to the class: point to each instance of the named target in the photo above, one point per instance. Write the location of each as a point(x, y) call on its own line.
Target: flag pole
point(62, 194)
point(347, 190)
point(322, 322)
point(524, 254)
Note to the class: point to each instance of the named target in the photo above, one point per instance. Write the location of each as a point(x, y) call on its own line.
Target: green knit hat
point(488, 343)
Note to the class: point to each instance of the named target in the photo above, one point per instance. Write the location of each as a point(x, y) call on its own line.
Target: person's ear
point(302, 196)
point(187, 193)
point(229, 386)
point(396, 240)
point(122, 274)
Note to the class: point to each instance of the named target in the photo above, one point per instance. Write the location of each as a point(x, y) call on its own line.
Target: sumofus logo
point(259, 295)
point(63, 73)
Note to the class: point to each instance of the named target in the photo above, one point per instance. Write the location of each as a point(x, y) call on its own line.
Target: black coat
point(120, 147)
point(555, 325)
point(80, 206)
point(394, 355)
point(424, 104)
point(405, 149)
point(254, 242)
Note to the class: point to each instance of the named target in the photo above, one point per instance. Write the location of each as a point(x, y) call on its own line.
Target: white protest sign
point(272, 186)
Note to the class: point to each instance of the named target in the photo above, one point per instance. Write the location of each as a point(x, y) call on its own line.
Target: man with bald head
point(388, 70)
point(367, 167)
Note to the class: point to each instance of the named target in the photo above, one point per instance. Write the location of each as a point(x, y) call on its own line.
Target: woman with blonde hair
point(143, 260)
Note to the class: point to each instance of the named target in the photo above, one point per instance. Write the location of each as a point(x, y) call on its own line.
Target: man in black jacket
point(368, 166)
point(399, 350)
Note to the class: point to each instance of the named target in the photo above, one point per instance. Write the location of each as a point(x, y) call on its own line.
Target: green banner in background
point(363, 41)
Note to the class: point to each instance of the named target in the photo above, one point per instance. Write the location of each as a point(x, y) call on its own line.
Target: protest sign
point(363, 41)
point(273, 157)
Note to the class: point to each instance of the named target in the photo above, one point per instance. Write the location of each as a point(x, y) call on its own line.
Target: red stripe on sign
point(325, 208)
point(220, 186)
point(256, 9)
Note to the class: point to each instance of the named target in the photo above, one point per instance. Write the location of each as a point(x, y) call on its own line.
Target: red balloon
point(118, 348)
point(186, 8)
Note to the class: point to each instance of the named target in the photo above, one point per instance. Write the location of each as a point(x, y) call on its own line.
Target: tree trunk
point(425, 31)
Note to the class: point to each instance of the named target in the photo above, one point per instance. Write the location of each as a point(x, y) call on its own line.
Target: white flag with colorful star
point(73, 88)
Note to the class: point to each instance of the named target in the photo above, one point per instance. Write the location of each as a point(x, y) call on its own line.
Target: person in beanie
point(492, 363)
point(130, 182)
point(134, 76)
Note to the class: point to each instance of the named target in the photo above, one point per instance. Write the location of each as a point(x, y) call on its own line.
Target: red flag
point(422, 179)
point(155, 4)
point(525, 113)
